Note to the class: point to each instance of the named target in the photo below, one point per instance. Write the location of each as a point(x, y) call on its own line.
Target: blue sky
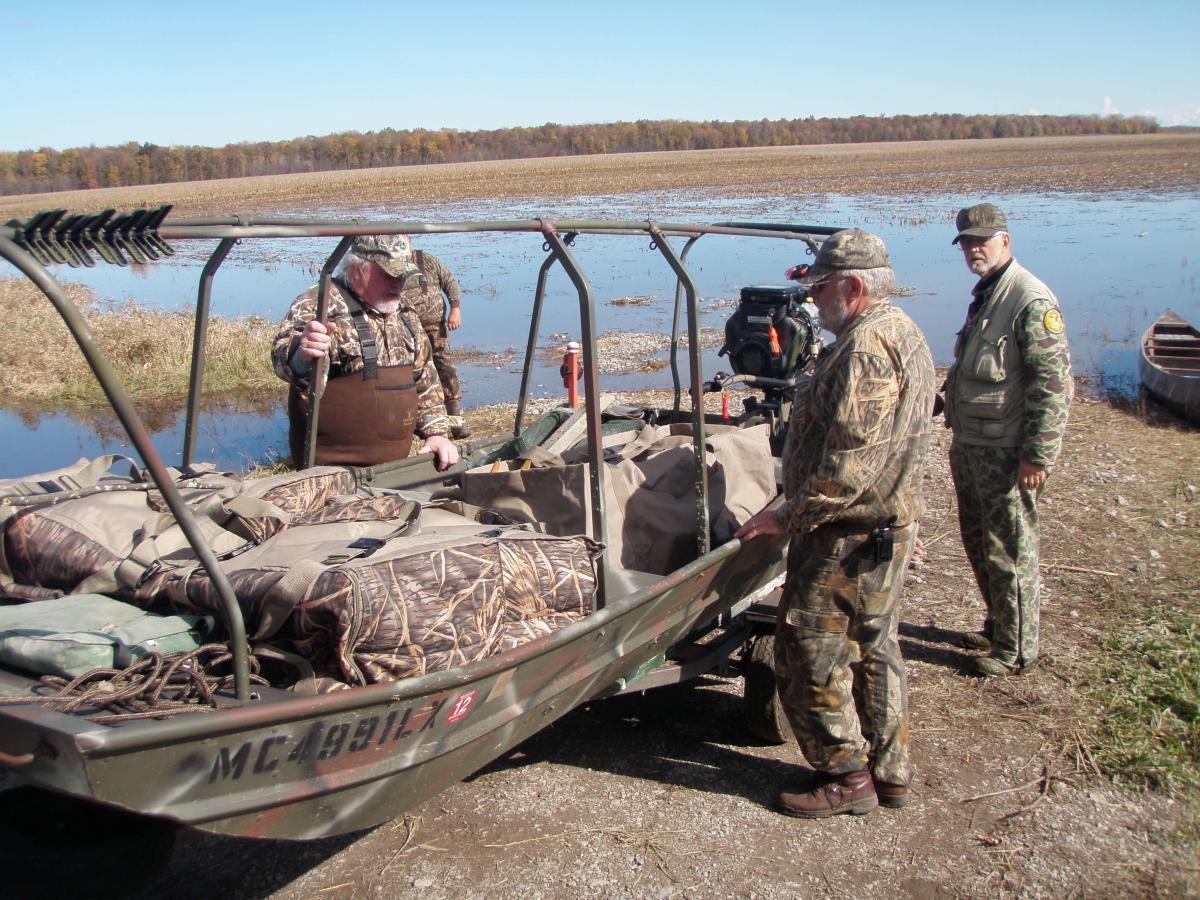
point(189, 73)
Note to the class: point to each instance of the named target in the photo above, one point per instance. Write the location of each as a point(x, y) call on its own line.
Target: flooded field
point(1115, 260)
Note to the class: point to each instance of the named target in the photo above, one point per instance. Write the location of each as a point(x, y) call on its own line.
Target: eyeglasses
point(970, 240)
point(824, 281)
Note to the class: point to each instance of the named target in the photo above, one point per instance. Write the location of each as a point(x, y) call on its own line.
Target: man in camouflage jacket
point(424, 297)
point(1007, 398)
point(852, 468)
point(372, 278)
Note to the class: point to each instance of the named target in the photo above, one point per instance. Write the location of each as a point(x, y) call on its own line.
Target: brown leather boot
point(893, 796)
point(852, 793)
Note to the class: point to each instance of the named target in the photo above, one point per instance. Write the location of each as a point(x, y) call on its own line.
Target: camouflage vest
point(985, 389)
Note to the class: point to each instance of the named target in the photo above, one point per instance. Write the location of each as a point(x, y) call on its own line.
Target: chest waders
point(366, 417)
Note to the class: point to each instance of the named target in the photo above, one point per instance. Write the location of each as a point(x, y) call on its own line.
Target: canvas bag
point(104, 537)
point(365, 601)
point(70, 636)
point(649, 491)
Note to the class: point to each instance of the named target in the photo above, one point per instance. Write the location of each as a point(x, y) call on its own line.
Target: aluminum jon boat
point(269, 756)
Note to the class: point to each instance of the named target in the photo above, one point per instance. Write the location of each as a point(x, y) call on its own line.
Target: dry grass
point(1099, 163)
point(150, 351)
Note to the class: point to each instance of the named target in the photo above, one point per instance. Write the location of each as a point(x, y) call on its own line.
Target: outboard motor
point(772, 334)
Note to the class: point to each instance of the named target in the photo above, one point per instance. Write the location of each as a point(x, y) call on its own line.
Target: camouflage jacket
point(1035, 384)
point(426, 299)
point(856, 444)
point(399, 340)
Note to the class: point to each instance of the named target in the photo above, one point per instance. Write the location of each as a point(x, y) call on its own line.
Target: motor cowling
point(771, 334)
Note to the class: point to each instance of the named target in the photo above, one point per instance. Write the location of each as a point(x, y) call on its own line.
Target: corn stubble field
point(1080, 780)
point(1097, 163)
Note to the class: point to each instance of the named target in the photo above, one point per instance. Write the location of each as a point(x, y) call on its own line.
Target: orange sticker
point(1053, 321)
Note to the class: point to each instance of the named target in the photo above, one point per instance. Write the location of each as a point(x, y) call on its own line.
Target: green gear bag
point(71, 635)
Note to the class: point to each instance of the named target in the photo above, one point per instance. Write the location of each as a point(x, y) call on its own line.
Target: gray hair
point(350, 262)
point(879, 283)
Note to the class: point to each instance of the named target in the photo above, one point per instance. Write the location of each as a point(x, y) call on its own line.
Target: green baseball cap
point(850, 248)
point(982, 220)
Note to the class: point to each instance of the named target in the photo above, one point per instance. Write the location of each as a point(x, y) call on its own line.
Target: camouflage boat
point(375, 729)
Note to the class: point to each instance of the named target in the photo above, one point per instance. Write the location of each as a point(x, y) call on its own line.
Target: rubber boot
point(459, 430)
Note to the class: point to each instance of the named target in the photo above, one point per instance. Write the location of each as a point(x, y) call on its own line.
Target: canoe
point(1170, 364)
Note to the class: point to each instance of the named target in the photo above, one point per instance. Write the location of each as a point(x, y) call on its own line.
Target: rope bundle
point(157, 686)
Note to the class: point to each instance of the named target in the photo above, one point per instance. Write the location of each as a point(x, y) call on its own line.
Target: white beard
point(834, 320)
point(386, 307)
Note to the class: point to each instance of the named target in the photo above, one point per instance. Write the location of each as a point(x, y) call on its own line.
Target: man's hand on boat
point(444, 449)
point(760, 523)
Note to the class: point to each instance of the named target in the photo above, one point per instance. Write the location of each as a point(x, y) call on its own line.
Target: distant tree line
point(34, 171)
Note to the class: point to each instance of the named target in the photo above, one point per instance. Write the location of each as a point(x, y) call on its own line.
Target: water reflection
point(1115, 262)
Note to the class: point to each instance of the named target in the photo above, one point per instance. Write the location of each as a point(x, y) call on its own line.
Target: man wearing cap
point(1007, 398)
point(424, 297)
point(380, 384)
point(852, 467)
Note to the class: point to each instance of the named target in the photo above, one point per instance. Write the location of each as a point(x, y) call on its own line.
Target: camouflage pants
point(432, 313)
point(837, 659)
point(999, 525)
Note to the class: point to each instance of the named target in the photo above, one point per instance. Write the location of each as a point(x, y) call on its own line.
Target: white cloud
point(1109, 108)
point(1179, 115)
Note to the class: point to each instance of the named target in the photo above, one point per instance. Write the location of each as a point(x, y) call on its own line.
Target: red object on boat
point(571, 373)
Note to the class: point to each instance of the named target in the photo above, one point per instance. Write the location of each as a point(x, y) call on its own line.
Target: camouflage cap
point(391, 252)
point(982, 220)
point(850, 248)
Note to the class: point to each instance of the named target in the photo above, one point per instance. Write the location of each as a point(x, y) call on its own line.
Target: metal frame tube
point(591, 403)
point(539, 296)
point(687, 248)
point(138, 435)
point(696, 390)
point(199, 340)
point(316, 380)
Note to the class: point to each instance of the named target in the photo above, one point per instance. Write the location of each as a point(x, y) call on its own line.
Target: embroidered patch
point(1053, 321)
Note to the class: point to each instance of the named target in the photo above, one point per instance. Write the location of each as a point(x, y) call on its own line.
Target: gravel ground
point(667, 794)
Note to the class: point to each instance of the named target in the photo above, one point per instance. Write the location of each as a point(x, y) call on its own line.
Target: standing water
point(1115, 261)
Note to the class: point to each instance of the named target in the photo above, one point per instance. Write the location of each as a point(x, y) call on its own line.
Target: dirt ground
point(667, 794)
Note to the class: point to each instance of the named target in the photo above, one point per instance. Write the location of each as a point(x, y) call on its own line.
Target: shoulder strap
point(366, 334)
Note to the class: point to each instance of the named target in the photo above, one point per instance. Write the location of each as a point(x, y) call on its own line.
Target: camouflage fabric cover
point(63, 539)
point(352, 579)
point(399, 341)
point(850, 248)
point(454, 592)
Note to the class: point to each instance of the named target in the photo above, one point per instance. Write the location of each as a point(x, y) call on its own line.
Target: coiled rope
point(157, 686)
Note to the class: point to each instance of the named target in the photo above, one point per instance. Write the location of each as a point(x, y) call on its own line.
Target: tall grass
point(150, 350)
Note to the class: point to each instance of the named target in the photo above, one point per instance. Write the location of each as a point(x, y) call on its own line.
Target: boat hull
point(345, 761)
point(1169, 365)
